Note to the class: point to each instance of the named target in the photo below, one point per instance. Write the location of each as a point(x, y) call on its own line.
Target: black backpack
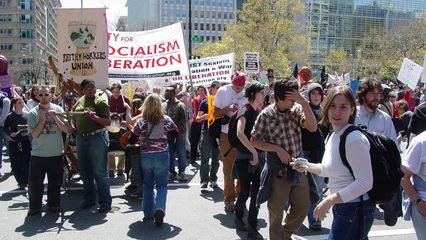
point(385, 163)
point(233, 139)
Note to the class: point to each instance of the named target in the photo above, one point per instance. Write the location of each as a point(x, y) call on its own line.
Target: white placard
point(410, 73)
point(206, 70)
point(251, 62)
point(82, 44)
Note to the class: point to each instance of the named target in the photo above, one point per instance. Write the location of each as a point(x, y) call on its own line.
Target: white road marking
point(376, 233)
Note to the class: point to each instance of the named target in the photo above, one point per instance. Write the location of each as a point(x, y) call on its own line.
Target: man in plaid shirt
point(278, 132)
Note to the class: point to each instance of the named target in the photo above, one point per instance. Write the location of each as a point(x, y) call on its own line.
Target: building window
point(225, 15)
point(231, 16)
point(213, 14)
point(219, 15)
point(207, 26)
point(213, 38)
point(26, 33)
point(219, 38)
point(3, 3)
point(207, 14)
point(25, 18)
point(213, 27)
point(5, 18)
point(195, 26)
point(25, 60)
point(6, 47)
point(207, 38)
point(195, 13)
point(219, 27)
point(201, 14)
point(25, 47)
point(5, 32)
point(24, 4)
point(201, 26)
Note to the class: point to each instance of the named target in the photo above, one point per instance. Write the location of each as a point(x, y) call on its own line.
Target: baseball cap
point(239, 78)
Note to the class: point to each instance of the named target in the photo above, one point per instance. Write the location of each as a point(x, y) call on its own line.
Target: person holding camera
point(46, 154)
point(248, 163)
point(19, 142)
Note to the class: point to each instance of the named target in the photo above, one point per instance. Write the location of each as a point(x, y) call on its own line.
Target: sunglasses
point(45, 94)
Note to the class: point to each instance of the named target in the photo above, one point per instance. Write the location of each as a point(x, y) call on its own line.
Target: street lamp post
point(190, 28)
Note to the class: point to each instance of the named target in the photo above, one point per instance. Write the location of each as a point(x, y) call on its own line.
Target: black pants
point(20, 154)
point(39, 167)
point(195, 139)
point(249, 185)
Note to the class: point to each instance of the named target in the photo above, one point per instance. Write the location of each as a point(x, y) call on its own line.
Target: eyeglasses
point(45, 94)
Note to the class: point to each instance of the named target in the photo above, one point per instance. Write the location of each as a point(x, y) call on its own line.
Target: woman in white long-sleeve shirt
point(345, 191)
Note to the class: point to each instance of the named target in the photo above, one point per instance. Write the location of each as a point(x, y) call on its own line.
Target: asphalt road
point(190, 214)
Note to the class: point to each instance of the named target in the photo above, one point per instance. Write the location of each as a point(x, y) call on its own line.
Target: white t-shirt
point(415, 160)
point(358, 156)
point(225, 97)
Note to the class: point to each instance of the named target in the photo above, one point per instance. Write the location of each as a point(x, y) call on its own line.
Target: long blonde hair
point(152, 109)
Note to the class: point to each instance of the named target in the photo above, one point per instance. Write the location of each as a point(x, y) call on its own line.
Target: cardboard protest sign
point(251, 62)
point(82, 44)
point(409, 73)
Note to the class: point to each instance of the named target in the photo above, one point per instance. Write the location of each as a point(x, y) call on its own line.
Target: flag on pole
point(296, 71)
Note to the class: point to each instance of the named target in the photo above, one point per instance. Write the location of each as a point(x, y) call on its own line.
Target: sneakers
point(32, 212)
point(253, 234)
point(204, 185)
point(315, 227)
point(104, 209)
point(172, 176)
point(111, 174)
point(87, 204)
point(159, 217)
point(229, 206)
point(213, 184)
point(120, 173)
point(182, 177)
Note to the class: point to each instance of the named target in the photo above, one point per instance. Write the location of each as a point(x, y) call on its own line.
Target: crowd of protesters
point(276, 124)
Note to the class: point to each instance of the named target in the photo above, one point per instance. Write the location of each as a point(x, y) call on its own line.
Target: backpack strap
point(342, 151)
point(342, 147)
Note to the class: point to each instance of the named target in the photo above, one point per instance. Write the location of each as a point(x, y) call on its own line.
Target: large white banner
point(154, 55)
point(82, 44)
point(410, 73)
point(206, 70)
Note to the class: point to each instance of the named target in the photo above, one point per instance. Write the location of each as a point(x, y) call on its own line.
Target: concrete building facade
point(27, 37)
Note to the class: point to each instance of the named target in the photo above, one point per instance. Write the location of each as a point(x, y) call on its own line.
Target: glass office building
point(343, 23)
point(209, 17)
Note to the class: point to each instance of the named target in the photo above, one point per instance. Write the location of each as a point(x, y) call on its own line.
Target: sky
point(115, 8)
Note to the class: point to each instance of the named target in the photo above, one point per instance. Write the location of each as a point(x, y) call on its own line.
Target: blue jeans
point(346, 220)
point(208, 149)
point(92, 154)
point(155, 169)
point(419, 222)
point(3, 137)
point(177, 145)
